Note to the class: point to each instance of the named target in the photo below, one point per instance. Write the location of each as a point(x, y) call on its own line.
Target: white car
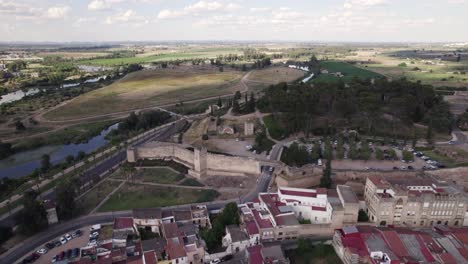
point(42, 251)
point(63, 240)
point(94, 234)
point(215, 261)
point(319, 162)
point(68, 237)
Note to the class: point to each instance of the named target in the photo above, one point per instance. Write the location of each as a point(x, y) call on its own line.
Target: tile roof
point(171, 230)
point(123, 222)
point(252, 228)
point(150, 257)
point(175, 248)
point(262, 223)
point(298, 193)
point(255, 254)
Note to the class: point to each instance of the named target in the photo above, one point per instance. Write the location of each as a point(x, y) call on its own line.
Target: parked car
point(75, 252)
point(31, 258)
point(403, 168)
point(54, 259)
point(77, 233)
point(63, 240)
point(61, 256)
point(319, 162)
point(57, 243)
point(42, 251)
point(50, 245)
point(410, 168)
point(215, 261)
point(395, 168)
point(68, 237)
point(69, 253)
point(94, 234)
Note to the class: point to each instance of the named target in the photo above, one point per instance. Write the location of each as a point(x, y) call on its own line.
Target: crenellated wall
point(200, 162)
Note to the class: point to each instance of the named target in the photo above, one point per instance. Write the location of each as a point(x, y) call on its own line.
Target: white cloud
point(360, 4)
point(96, 5)
point(19, 10)
point(198, 8)
point(83, 20)
point(128, 16)
point(260, 9)
point(57, 12)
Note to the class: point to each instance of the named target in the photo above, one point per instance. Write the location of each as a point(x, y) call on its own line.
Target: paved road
point(105, 165)
point(57, 230)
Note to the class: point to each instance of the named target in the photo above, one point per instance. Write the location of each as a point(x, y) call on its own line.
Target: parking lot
point(77, 242)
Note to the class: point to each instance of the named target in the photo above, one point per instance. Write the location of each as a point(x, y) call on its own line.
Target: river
point(18, 95)
point(23, 163)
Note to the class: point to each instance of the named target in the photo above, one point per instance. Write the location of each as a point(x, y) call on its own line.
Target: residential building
point(385, 245)
point(260, 254)
point(414, 201)
point(236, 239)
point(293, 212)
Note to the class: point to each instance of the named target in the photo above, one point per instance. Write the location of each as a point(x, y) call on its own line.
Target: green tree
point(362, 216)
point(407, 155)
point(19, 126)
point(220, 103)
point(66, 194)
point(45, 163)
point(69, 159)
point(33, 217)
point(325, 180)
point(379, 154)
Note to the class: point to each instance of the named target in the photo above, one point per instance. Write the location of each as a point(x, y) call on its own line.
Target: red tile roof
point(171, 230)
point(255, 254)
point(318, 208)
point(175, 248)
point(150, 257)
point(252, 228)
point(298, 193)
point(321, 191)
point(394, 243)
point(123, 222)
point(262, 223)
point(447, 258)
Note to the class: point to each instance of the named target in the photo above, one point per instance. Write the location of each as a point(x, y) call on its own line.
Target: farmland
point(150, 88)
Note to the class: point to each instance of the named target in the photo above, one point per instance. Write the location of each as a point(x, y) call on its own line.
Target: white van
point(319, 162)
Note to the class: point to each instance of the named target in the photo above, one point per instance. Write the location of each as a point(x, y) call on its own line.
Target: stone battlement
point(200, 162)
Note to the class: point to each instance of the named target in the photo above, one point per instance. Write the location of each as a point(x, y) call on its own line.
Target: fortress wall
point(217, 162)
point(199, 161)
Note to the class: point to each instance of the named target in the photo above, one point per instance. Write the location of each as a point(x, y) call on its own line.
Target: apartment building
point(290, 213)
point(414, 201)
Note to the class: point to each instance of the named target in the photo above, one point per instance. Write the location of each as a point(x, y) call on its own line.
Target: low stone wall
point(200, 162)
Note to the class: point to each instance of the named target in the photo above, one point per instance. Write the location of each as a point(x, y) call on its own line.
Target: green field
point(160, 175)
point(90, 200)
point(149, 88)
point(147, 58)
point(132, 196)
point(349, 71)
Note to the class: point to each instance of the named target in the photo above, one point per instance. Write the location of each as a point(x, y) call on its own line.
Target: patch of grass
point(132, 196)
point(148, 88)
point(349, 71)
point(163, 163)
point(147, 59)
point(274, 127)
point(440, 158)
point(191, 182)
point(274, 75)
point(90, 200)
point(160, 175)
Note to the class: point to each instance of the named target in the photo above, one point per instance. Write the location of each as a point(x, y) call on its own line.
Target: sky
point(234, 20)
